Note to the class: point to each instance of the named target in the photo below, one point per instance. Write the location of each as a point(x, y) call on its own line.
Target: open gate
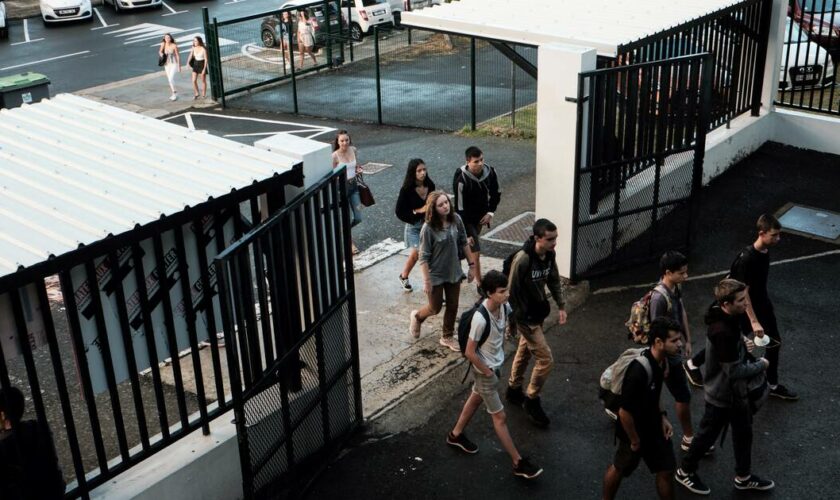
point(289, 316)
point(641, 137)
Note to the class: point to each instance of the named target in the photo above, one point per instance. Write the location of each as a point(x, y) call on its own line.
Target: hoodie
point(728, 364)
point(475, 196)
point(529, 276)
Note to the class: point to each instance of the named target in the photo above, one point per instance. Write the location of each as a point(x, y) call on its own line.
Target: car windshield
point(820, 5)
point(794, 34)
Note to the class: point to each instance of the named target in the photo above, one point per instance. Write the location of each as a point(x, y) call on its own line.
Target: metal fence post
point(378, 79)
point(512, 94)
point(220, 82)
point(350, 31)
point(472, 83)
point(213, 63)
point(292, 69)
point(329, 33)
point(761, 55)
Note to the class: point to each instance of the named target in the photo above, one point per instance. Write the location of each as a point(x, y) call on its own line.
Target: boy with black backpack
point(487, 358)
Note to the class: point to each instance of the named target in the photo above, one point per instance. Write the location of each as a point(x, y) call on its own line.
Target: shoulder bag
point(365, 195)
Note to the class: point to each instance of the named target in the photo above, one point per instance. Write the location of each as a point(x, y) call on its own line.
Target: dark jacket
point(28, 463)
point(728, 364)
point(409, 200)
point(475, 196)
point(529, 276)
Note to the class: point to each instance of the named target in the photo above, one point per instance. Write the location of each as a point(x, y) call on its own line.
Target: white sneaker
point(414, 324)
point(173, 97)
point(451, 343)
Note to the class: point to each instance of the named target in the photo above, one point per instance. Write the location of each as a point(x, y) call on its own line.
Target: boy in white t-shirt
point(487, 360)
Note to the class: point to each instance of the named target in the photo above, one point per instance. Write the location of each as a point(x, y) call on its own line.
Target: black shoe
point(461, 442)
point(695, 376)
point(754, 483)
point(692, 482)
point(515, 396)
point(534, 410)
point(526, 469)
point(783, 392)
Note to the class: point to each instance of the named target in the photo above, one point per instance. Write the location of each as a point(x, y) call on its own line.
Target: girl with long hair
point(344, 155)
point(411, 209)
point(442, 235)
point(197, 60)
point(306, 37)
point(173, 62)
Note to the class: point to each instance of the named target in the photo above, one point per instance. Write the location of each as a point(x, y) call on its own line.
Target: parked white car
point(4, 28)
point(365, 14)
point(804, 63)
point(119, 5)
point(400, 6)
point(60, 11)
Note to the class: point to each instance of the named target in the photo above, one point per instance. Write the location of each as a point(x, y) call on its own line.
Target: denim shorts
point(412, 235)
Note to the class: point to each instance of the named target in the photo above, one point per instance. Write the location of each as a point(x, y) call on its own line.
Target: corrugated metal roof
point(601, 24)
point(73, 171)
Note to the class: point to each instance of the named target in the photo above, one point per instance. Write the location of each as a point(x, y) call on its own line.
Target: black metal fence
point(107, 342)
point(405, 77)
point(299, 394)
point(810, 54)
point(736, 37)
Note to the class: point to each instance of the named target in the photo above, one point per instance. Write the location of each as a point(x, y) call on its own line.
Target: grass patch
point(503, 126)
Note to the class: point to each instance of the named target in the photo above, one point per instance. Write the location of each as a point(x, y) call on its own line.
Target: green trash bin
point(24, 88)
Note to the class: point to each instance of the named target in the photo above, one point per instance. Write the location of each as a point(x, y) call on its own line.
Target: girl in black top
point(411, 209)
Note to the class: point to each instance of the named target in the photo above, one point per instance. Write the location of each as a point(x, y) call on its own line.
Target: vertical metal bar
point(316, 254)
point(26, 350)
point(262, 298)
point(304, 256)
point(350, 31)
point(169, 325)
point(472, 83)
point(149, 334)
point(71, 310)
point(326, 7)
point(276, 292)
point(377, 63)
point(293, 70)
point(131, 360)
point(573, 272)
point(211, 53)
point(331, 234)
point(699, 147)
point(761, 56)
point(107, 359)
point(239, 316)
point(220, 81)
point(190, 319)
point(293, 296)
point(209, 309)
point(337, 232)
point(61, 384)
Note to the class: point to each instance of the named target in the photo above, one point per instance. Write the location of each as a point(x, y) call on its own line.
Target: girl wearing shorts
point(198, 62)
point(306, 37)
point(411, 209)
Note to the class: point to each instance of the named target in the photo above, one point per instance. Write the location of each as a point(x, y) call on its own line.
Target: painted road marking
point(144, 32)
point(45, 60)
point(26, 38)
point(172, 12)
point(235, 1)
point(613, 289)
point(305, 130)
point(184, 42)
point(102, 20)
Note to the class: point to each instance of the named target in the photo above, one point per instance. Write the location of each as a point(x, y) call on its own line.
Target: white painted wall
point(315, 155)
point(556, 132)
point(807, 131)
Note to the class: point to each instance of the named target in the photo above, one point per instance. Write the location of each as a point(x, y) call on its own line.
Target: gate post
point(472, 83)
point(761, 56)
point(378, 62)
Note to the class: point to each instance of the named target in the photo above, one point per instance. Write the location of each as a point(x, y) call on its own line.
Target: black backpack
point(465, 323)
point(508, 263)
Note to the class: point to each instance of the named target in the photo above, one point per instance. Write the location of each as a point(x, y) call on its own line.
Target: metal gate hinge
point(574, 99)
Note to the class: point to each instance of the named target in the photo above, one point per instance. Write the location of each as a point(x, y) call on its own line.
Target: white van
point(365, 14)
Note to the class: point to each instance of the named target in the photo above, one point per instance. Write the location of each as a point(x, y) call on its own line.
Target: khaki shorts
point(488, 389)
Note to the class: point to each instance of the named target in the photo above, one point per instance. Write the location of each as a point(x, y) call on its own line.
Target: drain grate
point(811, 222)
point(371, 168)
point(513, 231)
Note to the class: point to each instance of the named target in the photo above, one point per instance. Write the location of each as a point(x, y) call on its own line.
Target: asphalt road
point(114, 46)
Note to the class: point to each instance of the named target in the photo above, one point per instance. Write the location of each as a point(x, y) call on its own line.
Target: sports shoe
point(692, 482)
point(686, 441)
point(405, 284)
point(526, 469)
point(783, 392)
point(173, 97)
point(461, 442)
point(754, 483)
point(695, 376)
point(515, 396)
point(451, 343)
point(414, 324)
point(611, 414)
point(535, 412)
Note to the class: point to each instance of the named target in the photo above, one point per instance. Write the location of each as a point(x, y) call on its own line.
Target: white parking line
point(101, 20)
point(26, 38)
point(234, 1)
point(172, 11)
point(45, 60)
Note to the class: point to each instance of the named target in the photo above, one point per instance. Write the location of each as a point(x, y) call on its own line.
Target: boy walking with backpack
point(643, 429)
point(486, 359)
point(531, 270)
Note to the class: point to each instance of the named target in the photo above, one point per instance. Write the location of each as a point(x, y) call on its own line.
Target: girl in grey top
point(442, 235)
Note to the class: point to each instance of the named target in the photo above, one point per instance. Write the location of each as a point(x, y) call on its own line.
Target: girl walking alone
point(441, 237)
point(344, 155)
point(411, 209)
point(306, 37)
point(169, 48)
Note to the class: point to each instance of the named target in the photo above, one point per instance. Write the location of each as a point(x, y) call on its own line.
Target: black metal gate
point(640, 144)
point(289, 314)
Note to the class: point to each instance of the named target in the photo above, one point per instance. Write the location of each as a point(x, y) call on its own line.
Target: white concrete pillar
point(556, 131)
point(774, 55)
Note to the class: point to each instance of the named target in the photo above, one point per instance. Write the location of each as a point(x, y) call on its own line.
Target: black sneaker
point(405, 284)
point(692, 482)
point(526, 469)
point(515, 396)
point(695, 376)
point(783, 392)
point(534, 410)
point(462, 442)
point(754, 483)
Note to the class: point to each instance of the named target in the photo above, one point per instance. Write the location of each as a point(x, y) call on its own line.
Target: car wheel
point(356, 32)
point(4, 33)
point(268, 39)
point(116, 6)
